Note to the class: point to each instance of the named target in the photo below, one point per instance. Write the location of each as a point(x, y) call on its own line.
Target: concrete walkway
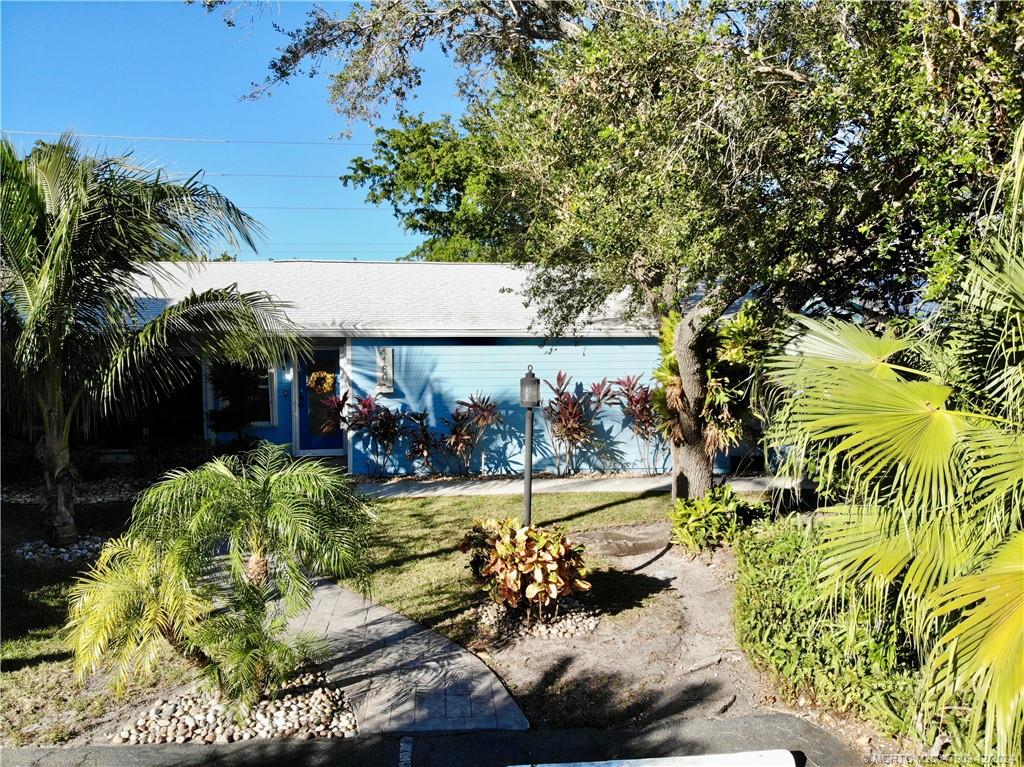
point(413, 488)
point(401, 676)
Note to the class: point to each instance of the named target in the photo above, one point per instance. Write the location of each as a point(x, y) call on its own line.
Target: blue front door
point(319, 389)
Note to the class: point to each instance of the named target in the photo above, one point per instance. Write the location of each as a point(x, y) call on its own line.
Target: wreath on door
point(321, 382)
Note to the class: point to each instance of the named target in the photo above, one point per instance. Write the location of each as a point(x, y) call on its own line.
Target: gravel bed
point(573, 619)
point(86, 548)
point(112, 490)
point(307, 708)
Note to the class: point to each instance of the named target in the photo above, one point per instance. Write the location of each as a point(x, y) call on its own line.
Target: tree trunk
point(59, 474)
point(691, 471)
point(257, 569)
point(691, 464)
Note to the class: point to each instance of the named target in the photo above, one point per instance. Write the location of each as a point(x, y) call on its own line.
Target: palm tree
point(281, 521)
point(920, 441)
point(279, 518)
point(81, 236)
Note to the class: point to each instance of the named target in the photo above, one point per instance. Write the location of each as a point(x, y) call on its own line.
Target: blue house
point(421, 337)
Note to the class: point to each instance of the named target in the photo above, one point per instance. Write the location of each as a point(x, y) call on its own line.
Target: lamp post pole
point(528, 470)
point(529, 397)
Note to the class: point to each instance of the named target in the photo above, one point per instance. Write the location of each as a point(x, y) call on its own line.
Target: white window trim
point(210, 400)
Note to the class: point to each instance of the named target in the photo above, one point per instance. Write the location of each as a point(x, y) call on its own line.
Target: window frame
point(213, 402)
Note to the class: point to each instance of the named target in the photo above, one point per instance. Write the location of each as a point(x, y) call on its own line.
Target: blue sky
point(172, 70)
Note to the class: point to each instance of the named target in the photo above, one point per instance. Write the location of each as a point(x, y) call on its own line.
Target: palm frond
point(816, 347)
point(984, 651)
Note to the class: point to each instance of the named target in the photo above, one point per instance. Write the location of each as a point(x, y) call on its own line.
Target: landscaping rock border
point(86, 548)
point(310, 707)
point(573, 619)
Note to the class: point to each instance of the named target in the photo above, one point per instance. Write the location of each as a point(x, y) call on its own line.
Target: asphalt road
point(813, 746)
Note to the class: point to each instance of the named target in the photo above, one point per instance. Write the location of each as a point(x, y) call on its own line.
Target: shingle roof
point(363, 298)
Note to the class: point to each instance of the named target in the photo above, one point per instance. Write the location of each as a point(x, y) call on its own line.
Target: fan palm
point(81, 236)
point(929, 465)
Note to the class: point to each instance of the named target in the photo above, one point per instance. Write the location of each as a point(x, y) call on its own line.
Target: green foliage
point(827, 651)
point(524, 565)
point(438, 184)
point(138, 596)
point(249, 649)
point(282, 521)
point(80, 235)
point(703, 523)
point(925, 466)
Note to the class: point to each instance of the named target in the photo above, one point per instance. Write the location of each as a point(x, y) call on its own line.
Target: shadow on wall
point(419, 388)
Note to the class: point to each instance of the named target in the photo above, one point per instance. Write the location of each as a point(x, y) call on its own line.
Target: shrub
point(469, 422)
point(702, 523)
point(570, 415)
point(637, 404)
point(382, 426)
point(282, 521)
point(524, 565)
point(817, 646)
point(423, 444)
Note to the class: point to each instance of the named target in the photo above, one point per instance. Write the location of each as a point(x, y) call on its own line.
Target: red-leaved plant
point(637, 403)
point(382, 425)
point(570, 418)
point(422, 442)
point(467, 425)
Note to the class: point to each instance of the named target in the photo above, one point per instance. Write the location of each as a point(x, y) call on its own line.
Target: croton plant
point(524, 565)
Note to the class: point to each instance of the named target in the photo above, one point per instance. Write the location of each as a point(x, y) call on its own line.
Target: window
point(242, 397)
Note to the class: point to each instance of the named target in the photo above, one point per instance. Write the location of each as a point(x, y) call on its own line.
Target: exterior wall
point(433, 374)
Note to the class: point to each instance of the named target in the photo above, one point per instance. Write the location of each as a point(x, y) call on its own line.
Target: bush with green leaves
point(524, 565)
point(281, 521)
point(812, 645)
point(703, 523)
point(918, 443)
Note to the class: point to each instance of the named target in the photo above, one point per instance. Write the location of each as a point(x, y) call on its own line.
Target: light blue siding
point(433, 374)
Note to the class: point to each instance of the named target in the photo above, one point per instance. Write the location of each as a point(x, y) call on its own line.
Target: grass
point(420, 571)
point(41, 702)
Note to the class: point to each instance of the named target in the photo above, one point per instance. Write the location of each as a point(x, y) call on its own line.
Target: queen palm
point(919, 440)
point(80, 236)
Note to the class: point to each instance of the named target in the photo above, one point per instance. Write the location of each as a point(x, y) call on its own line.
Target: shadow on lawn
point(425, 516)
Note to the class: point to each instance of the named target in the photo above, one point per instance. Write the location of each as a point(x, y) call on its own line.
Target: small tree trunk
point(59, 475)
point(257, 569)
point(691, 464)
point(691, 471)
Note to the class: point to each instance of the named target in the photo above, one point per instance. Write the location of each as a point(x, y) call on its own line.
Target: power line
point(267, 175)
point(190, 140)
point(309, 207)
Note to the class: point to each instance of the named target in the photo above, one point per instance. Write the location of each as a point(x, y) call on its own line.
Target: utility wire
point(267, 175)
point(305, 207)
point(190, 140)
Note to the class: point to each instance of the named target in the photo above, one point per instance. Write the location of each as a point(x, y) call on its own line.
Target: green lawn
point(40, 700)
point(420, 571)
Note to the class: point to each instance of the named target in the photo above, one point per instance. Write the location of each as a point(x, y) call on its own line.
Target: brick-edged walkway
point(401, 676)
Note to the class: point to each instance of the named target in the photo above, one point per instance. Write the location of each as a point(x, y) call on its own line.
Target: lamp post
point(529, 397)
